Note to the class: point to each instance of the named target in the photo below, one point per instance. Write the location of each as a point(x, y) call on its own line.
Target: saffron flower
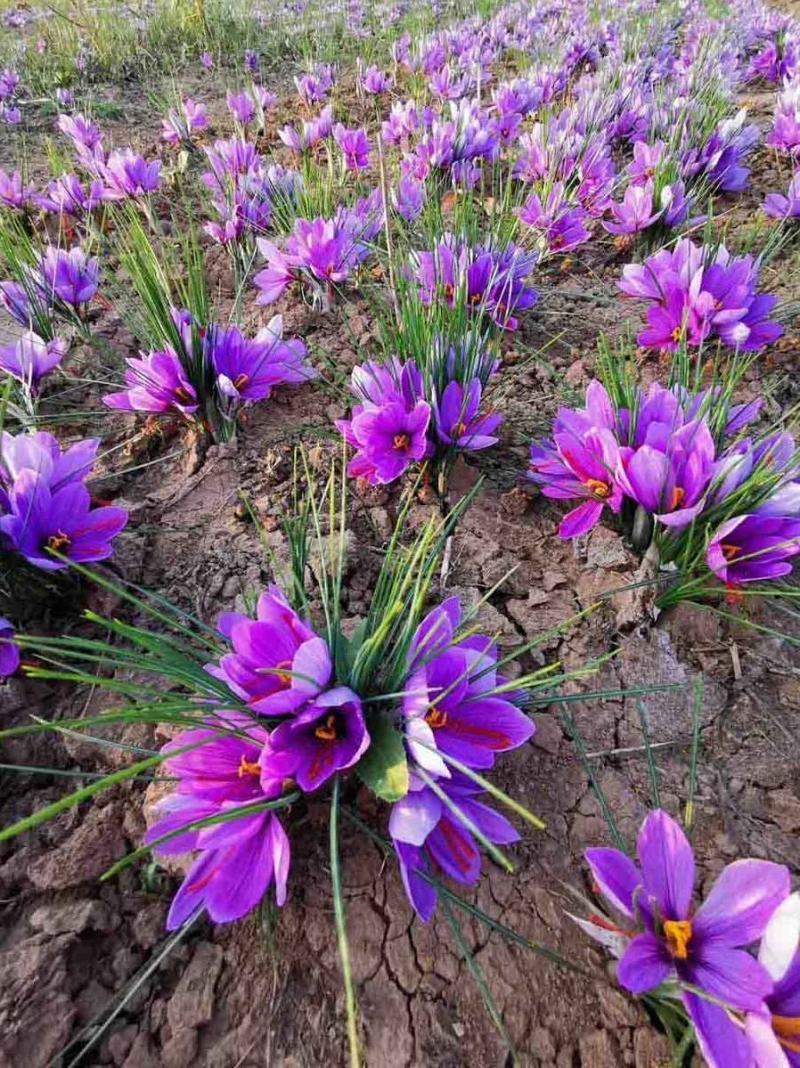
point(374, 81)
point(670, 482)
point(635, 213)
point(178, 127)
point(429, 838)
point(242, 107)
point(278, 663)
point(561, 226)
point(355, 146)
point(580, 462)
point(64, 521)
point(753, 548)
point(788, 207)
point(247, 369)
point(40, 453)
point(66, 196)
point(703, 946)
point(771, 1032)
point(449, 707)
point(156, 383)
point(389, 439)
point(326, 736)
point(696, 293)
point(237, 860)
point(128, 174)
point(9, 650)
point(13, 192)
point(408, 198)
point(458, 419)
point(30, 358)
point(72, 276)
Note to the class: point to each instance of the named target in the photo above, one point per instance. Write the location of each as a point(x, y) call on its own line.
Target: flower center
point(597, 487)
point(677, 496)
point(326, 732)
point(459, 429)
point(436, 718)
point(678, 934)
point(676, 333)
point(182, 394)
point(401, 441)
point(475, 299)
point(449, 291)
point(58, 541)
point(248, 767)
point(241, 381)
point(729, 551)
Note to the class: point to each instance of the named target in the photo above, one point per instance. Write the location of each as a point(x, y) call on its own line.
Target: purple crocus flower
point(326, 736)
point(9, 651)
point(753, 548)
point(409, 198)
point(13, 192)
point(63, 521)
point(450, 707)
point(155, 383)
point(581, 462)
point(428, 837)
point(355, 146)
point(15, 299)
point(242, 107)
point(67, 196)
point(30, 358)
point(237, 860)
point(702, 947)
point(561, 225)
point(635, 213)
point(251, 61)
point(179, 126)
point(788, 207)
point(389, 438)
point(278, 663)
point(72, 276)
point(670, 482)
point(206, 60)
point(458, 419)
point(128, 174)
point(41, 454)
point(374, 81)
point(248, 369)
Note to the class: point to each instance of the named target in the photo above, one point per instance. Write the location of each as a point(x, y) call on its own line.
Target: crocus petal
point(741, 901)
point(581, 519)
point(616, 875)
point(731, 975)
point(667, 864)
point(644, 965)
point(781, 938)
point(722, 1043)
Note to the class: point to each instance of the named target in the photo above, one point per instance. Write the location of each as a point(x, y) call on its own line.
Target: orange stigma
point(183, 395)
point(597, 487)
point(729, 551)
point(678, 934)
point(436, 718)
point(58, 541)
point(326, 732)
point(401, 441)
point(677, 496)
point(677, 333)
point(459, 429)
point(787, 1029)
point(241, 381)
point(248, 767)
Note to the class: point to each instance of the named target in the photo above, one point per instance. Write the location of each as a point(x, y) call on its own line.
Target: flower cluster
point(179, 127)
point(482, 278)
point(9, 107)
point(675, 459)
point(743, 1009)
point(402, 417)
point(214, 363)
point(696, 294)
point(320, 254)
point(45, 506)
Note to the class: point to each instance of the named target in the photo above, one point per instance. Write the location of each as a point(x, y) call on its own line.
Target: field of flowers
point(399, 498)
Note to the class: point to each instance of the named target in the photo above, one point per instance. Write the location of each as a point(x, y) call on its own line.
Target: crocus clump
point(403, 417)
point(702, 952)
point(484, 279)
point(676, 467)
point(320, 254)
point(45, 506)
point(179, 127)
point(696, 294)
point(299, 726)
point(214, 372)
